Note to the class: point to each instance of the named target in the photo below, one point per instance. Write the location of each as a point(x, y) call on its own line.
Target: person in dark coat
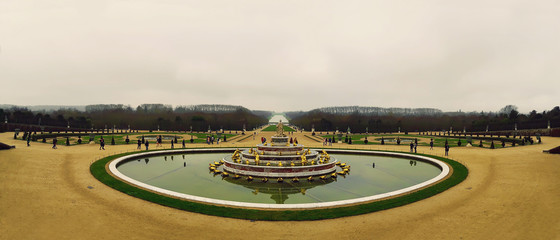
point(102, 144)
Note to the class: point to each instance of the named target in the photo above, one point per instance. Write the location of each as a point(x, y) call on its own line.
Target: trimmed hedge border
point(99, 171)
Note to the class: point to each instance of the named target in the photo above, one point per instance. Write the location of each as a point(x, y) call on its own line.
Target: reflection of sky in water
point(189, 174)
point(277, 118)
point(162, 137)
point(403, 140)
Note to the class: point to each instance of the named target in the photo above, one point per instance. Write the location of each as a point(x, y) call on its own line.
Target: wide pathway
point(511, 193)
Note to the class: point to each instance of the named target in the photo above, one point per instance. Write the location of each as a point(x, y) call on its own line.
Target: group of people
point(293, 141)
point(414, 146)
point(327, 141)
point(211, 139)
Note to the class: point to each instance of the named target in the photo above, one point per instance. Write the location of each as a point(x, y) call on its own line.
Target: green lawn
point(272, 128)
point(120, 138)
point(439, 141)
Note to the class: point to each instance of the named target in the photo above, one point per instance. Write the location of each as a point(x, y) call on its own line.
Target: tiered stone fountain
point(279, 159)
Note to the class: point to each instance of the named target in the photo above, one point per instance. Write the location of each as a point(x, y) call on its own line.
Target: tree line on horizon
point(145, 117)
point(372, 121)
point(215, 117)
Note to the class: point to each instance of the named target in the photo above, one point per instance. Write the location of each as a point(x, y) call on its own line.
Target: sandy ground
point(511, 193)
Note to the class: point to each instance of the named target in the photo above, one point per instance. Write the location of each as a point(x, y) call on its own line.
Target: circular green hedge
point(459, 173)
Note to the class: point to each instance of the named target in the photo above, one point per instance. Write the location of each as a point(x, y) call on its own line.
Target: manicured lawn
point(423, 140)
point(120, 138)
point(272, 128)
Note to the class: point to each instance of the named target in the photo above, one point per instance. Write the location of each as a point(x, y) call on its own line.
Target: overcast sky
point(282, 55)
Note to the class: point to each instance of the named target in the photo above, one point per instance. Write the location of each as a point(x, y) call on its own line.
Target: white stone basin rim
point(113, 168)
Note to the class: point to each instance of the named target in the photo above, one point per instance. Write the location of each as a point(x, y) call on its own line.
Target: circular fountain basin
point(168, 173)
point(154, 137)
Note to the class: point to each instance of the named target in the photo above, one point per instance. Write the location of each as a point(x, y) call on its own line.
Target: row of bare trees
point(506, 119)
point(146, 116)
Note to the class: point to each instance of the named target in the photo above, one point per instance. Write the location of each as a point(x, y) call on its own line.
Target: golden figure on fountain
point(280, 129)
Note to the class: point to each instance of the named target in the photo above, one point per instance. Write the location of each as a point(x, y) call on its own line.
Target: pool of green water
point(189, 174)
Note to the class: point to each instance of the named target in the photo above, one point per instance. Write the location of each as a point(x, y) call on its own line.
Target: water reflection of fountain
point(279, 192)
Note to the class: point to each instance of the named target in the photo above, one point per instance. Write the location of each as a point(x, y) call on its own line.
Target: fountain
point(268, 176)
point(279, 159)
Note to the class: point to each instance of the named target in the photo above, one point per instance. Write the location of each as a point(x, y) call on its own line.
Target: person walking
point(172, 144)
point(102, 143)
point(411, 147)
point(28, 139)
point(183, 143)
point(54, 143)
point(147, 144)
point(447, 150)
point(139, 144)
point(432, 144)
point(158, 141)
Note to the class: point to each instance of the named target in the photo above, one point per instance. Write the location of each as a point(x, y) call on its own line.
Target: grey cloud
point(287, 55)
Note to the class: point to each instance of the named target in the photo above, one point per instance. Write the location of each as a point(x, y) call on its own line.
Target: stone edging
point(114, 163)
